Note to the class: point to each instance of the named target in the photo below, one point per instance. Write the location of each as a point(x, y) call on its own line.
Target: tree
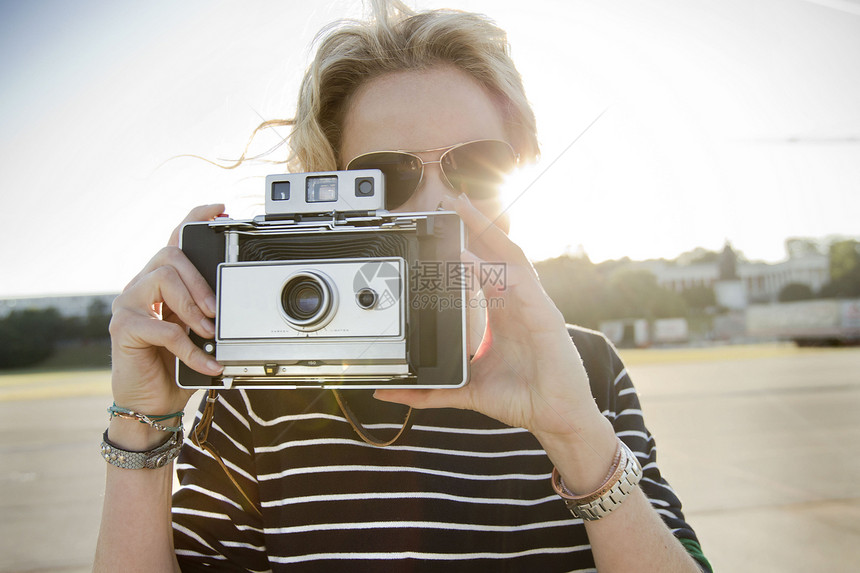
point(29, 336)
point(575, 286)
point(699, 297)
point(844, 270)
point(704, 257)
point(799, 247)
point(635, 293)
point(844, 259)
point(98, 320)
point(795, 291)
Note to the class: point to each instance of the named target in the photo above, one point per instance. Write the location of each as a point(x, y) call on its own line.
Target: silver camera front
point(312, 317)
point(276, 300)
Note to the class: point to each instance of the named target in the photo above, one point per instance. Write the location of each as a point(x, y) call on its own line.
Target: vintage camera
point(328, 289)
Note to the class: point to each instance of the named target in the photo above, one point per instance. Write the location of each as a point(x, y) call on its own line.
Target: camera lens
point(306, 300)
point(366, 298)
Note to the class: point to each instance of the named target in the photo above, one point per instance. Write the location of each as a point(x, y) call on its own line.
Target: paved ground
point(762, 446)
point(765, 454)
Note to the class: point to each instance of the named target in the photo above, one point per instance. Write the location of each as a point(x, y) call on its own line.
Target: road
point(763, 447)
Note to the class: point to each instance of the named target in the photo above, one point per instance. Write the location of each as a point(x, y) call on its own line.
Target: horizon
point(573, 253)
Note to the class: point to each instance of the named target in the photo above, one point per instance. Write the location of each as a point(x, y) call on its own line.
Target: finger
point(166, 285)
point(518, 288)
point(496, 278)
point(172, 289)
point(194, 282)
point(201, 213)
point(483, 233)
point(134, 331)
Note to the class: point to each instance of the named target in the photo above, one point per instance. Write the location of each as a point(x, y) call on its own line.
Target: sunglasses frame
point(445, 151)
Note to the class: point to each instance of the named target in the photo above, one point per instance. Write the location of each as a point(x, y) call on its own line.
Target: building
point(742, 282)
point(764, 281)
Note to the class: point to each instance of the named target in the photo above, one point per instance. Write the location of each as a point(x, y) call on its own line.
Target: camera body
point(326, 290)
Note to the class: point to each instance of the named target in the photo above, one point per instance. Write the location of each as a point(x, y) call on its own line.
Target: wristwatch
point(152, 459)
point(624, 476)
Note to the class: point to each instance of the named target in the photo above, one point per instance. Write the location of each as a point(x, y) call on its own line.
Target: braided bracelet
point(154, 421)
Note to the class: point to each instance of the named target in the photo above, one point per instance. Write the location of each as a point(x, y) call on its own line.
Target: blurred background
point(696, 200)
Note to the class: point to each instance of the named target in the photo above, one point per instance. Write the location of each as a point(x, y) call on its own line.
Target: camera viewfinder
point(322, 189)
point(281, 191)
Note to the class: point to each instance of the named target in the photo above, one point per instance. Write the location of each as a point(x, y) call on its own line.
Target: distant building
point(739, 282)
point(68, 306)
point(764, 281)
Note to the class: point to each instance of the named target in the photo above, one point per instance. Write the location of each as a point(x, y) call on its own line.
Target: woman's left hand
point(526, 372)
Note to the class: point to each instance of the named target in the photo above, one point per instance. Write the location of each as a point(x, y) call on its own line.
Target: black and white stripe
point(460, 492)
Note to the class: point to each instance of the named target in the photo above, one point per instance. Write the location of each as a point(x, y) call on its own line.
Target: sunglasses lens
point(402, 174)
point(479, 168)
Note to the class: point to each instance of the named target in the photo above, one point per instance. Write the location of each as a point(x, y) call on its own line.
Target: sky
point(736, 120)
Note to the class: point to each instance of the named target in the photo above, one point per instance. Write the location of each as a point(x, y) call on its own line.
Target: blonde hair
point(396, 39)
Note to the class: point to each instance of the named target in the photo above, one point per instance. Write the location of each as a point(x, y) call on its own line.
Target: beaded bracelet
point(154, 421)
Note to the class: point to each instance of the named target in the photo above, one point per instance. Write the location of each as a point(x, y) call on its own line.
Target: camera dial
point(307, 301)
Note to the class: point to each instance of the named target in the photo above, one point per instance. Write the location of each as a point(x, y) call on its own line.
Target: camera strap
point(200, 435)
point(363, 432)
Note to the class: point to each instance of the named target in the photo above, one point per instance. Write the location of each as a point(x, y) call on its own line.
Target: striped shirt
point(459, 492)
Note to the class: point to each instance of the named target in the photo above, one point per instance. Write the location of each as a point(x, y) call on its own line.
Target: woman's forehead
point(416, 110)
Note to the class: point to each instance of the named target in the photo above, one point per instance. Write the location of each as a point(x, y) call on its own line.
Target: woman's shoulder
point(601, 361)
point(593, 346)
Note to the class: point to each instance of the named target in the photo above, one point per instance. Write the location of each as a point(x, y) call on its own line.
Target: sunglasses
point(476, 168)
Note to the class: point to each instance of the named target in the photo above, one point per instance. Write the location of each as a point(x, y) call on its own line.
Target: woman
point(468, 487)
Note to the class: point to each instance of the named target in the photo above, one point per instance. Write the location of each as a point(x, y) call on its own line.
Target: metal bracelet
point(624, 475)
point(155, 458)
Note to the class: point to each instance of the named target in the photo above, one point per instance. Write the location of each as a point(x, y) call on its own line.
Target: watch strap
point(623, 477)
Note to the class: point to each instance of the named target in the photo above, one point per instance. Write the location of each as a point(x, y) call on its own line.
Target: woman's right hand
point(148, 328)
